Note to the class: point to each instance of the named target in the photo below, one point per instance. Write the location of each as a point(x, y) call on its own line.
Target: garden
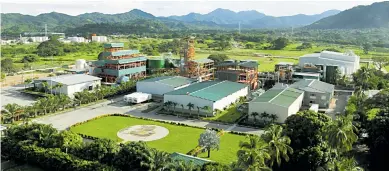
point(180, 139)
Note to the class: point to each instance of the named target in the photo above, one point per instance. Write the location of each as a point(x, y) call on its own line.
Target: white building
point(162, 85)
point(347, 63)
point(99, 39)
point(71, 83)
point(77, 39)
point(282, 102)
point(214, 94)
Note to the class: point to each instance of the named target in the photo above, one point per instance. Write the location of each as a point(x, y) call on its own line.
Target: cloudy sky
point(167, 8)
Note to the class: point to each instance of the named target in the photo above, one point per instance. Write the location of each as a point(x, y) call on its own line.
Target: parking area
point(12, 95)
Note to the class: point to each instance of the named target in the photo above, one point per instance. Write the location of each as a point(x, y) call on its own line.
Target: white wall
point(281, 111)
point(295, 106)
point(260, 107)
point(226, 101)
point(71, 89)
point(185, 99)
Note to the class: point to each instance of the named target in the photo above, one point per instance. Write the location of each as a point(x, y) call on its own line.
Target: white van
point(137, 97)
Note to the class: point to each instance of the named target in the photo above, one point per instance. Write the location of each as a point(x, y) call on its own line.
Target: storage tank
point(155, 63)
point(80, 64)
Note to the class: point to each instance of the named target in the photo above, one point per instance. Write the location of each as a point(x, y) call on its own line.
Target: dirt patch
point(19, 79)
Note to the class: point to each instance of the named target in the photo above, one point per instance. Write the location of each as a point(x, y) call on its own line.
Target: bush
point(30, 58)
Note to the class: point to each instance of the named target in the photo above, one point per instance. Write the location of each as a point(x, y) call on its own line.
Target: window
point(90, 87)
point(323, 97)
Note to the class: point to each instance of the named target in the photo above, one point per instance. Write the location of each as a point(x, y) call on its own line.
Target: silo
point(156, 63)
point(80, 64)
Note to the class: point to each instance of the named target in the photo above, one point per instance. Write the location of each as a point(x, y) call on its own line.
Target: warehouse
point(282, 102)
point(70, 84)
point(214, 94)
point(347, 63)
point(315, 92)
point(162, 85)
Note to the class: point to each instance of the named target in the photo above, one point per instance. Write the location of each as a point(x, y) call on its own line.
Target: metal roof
point(204, 60)
point(173, 81)
point(210, 90)
point(187, 158)
point(113, 45)
point(124, 52)
point(313, 86)
point(281, 97)
point(285, 63)
point(70, 79)
point(247, 64)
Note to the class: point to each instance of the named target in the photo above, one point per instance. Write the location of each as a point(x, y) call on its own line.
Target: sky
point(168, 8)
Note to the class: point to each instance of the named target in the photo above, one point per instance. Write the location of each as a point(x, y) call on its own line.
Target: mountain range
point(375, 15)
point(219, 18)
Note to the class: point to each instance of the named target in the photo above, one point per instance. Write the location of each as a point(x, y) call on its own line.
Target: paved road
point(12, 95)
point(65, 120)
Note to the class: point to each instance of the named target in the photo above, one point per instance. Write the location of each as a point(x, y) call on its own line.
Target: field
point(180, 139)
point(230, 115)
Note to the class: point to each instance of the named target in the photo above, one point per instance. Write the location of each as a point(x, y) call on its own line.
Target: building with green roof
point(162, 85)
point(282, 102)
point(316, 92)
point(214, 94)
point(190, 159)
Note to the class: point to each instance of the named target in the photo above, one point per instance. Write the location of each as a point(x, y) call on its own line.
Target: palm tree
point(27, 82)
point(277, 144)
point(174, 104)
point(342, 164)
point(264, 117)
point(207, 109)
point(45, 86)
point(64, 100)
point(160, 160)
point(273, 118)
point(190, 107)
point(253, 154)
point(168, 104)
point(182, 106)
point(255, 114)
point(340, 133)
point(13, 110)
point(58, 86)
point(198, 111)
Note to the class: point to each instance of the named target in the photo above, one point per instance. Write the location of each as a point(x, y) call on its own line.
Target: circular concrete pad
point(143, 133)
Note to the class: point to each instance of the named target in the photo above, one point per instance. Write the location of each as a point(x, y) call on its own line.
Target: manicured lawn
point(229, 115)
point(180, 139)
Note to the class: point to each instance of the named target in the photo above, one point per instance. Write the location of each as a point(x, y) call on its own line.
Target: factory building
point(214, 94)
point(346, 63)
point(162, 85)
point(100, 39)
point(282, 102)
point(71, 83)
point(77, 39)
point(315, 92)
point(245, 72)
point(115, 63)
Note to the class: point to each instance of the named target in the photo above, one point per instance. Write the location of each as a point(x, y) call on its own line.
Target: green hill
point(375, 15)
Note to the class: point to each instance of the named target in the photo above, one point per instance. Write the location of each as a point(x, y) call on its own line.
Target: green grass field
point(229, 116)
point(180, 139)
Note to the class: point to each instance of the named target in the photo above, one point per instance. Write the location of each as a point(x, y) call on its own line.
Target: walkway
point(65, 120)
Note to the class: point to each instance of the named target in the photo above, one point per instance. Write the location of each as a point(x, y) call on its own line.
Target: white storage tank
point(80, 64)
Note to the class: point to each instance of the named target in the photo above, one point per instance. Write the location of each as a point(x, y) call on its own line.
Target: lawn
point(229, 116)
point(180, 139)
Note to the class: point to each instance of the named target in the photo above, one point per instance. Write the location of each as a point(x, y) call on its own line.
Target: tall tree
point(209, 140)
point(253, 154)
point(381, 62)
point(277, 144)
point(367, 47)
point(190, 107)
point(280, 43)
point(13, 111)
point(340, 133)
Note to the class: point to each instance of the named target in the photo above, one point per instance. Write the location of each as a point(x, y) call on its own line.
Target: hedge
point(51, 159)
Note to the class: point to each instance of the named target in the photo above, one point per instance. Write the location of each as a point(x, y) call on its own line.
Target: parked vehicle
point(137, 97)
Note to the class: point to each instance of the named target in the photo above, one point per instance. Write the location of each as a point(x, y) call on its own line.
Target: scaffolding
point(244, 72)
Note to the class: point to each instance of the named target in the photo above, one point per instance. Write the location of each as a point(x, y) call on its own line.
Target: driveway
point(12, 95)
point(65, 120)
